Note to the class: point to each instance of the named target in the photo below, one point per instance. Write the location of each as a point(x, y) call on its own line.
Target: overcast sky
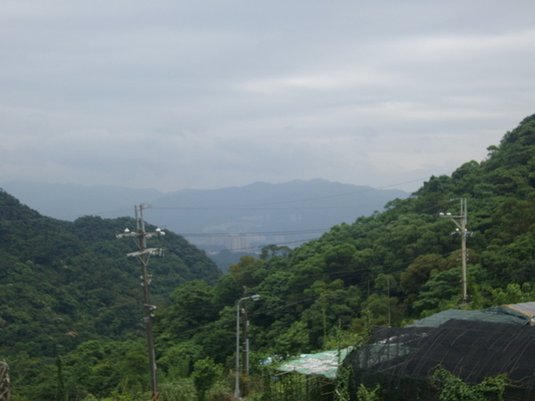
point(206, 94)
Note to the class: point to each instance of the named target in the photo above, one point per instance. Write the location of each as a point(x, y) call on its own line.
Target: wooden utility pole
point(388, 297)
point(461, 221)
point(143, 256)
point(464, 233)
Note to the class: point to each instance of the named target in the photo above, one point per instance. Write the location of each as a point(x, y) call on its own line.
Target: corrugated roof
point(525, 310)
point(322, 363)
point(493, 315)
point(519, 314)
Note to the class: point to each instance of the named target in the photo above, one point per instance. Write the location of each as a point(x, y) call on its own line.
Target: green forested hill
point(394, 266)
point(388, 268)
point(65, 283)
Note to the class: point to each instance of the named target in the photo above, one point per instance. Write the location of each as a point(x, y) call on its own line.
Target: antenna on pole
point(143, 255)
point(461, 221)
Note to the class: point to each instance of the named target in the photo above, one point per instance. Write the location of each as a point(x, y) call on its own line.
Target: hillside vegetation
point(64, 284)
point(387, 268)
point(239, 218)
point(403, 259)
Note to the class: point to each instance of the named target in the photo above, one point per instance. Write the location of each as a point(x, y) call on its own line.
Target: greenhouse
point(472, 345)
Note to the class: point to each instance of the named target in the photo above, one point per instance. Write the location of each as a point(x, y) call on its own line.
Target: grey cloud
point(205, 94)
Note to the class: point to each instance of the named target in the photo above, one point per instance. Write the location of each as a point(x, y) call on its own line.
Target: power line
point(259, 247)
point(255, 233)
point(247, 207)
point(319, 232)
point(261, 206)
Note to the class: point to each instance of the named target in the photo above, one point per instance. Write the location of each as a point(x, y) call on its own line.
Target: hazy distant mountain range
point(237, 218)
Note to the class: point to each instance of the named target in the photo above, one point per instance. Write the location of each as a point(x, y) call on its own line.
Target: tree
point(452, 388)
point(271, 251)
point(418, 273)
point(294, 340)
point(248, 272)
point(192, 306)
point(339, 262)
point(205, 373)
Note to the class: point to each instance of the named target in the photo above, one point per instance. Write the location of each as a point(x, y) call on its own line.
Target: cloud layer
point(171, 94)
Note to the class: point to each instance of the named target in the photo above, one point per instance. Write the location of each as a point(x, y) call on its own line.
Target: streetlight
point(255, 297)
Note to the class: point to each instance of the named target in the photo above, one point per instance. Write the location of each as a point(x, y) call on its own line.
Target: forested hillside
point(387, 268)
point(406, 252)
point(239, 218)
point(390, 267)
point(65, 283)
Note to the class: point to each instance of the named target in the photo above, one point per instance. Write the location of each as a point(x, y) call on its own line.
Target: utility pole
point(388, 295)
point(245, 342)
point(461, 221)
point(237, 373)
point(143, 256)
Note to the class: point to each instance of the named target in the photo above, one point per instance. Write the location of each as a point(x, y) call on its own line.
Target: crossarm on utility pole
point(148, 251)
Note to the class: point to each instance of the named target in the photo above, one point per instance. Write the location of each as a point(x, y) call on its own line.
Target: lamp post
point(237, 393)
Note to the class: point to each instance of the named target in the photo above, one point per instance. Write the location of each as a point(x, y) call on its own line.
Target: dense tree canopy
point(398, 264)
point(76, 295)
point(64, 284)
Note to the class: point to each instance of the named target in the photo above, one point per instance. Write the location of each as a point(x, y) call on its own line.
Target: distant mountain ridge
point(242, 218)
point(262, 213)
point(70, 201)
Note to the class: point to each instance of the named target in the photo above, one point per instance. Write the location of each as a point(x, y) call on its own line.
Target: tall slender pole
point(245, 343)
point(463, 232)
point(144, 259)
point(388, 295)
point(143, 255)
point(237, 393)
